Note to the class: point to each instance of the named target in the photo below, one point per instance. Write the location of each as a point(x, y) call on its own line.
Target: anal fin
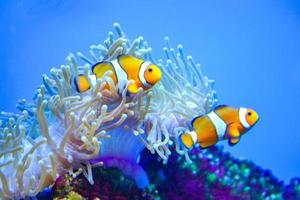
point(233, 141)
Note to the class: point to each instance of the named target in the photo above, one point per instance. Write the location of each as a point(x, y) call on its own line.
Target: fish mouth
point(258, 118)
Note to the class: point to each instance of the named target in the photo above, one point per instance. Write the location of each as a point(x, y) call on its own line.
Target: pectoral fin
point(234, 134)
point(233, 131)
point(132, 88)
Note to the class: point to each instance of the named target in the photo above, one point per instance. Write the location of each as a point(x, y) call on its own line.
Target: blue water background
point(250, 48)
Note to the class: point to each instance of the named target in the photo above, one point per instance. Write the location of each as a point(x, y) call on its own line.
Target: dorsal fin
point(97, 64)
point(220, 106)
point(196, 117)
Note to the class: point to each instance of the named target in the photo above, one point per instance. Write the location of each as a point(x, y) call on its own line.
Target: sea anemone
point(63, 131)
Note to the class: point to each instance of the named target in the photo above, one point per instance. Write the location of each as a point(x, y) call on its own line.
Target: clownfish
point(222, 123)
point(124, 68)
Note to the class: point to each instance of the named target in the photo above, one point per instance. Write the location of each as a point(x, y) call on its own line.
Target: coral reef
point(110, 183)
point(63, 130)
point(214, 174)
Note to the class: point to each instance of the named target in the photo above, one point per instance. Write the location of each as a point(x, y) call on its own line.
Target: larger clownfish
point(222, 123)
point(143, 74)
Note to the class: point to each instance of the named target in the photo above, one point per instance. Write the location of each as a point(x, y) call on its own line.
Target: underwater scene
point(154, 100)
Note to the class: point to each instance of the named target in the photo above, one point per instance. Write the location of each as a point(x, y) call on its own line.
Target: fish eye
point(249, 113)
point(150, 70)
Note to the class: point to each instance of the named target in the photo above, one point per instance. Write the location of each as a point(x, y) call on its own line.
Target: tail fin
point(187, 140)
point(81, 83)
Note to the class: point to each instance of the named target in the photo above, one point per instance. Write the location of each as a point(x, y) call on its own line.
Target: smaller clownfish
point(143, 74)
point(222, 123)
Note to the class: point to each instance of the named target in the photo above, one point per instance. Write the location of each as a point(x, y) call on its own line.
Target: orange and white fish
point(222, 123)
point(143, 74)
